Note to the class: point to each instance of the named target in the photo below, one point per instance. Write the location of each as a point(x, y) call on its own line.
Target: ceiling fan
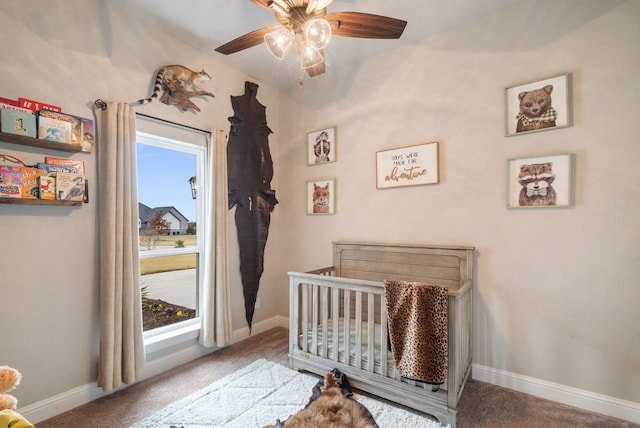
point(307, 23)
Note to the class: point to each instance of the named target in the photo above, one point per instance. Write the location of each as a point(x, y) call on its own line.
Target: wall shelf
point(20, 201)
point(43, 144)
point(36, 142)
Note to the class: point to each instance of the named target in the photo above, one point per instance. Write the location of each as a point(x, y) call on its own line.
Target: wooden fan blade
point(249, 40)
point(262, 3)
point(365, 25)
point(316, 70)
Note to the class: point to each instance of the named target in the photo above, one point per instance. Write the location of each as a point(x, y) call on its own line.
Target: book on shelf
point(47, 187)
point(10, 182)
point(37, 105)
point(52, 168)
point(75, 123)
point(52, 129)
point(69, 186)
point(9, 106)
point(18, 122)
point(77, 164)
point(88, 135)
point(30, 182)
point(9, 101)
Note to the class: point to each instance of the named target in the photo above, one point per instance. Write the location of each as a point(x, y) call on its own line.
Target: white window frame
point(165, 337)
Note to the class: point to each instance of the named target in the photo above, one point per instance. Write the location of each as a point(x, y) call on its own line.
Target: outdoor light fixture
point(192, 183)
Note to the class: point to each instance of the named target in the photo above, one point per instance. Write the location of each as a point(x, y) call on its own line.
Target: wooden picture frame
point(321, 197)
point(541, 181)
point(407, 166)
point(321, 146)
point(541, 105)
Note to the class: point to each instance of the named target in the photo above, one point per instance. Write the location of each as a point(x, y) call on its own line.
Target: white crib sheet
point(352, 344)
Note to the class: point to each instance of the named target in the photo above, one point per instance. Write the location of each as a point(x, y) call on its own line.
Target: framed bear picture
point(541, 181)
point(541, 105)
point(321, 197)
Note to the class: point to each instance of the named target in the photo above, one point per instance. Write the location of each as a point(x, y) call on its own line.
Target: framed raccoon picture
point(321, 146)
point(541, 105)
point(541, 181)
point(321, 197)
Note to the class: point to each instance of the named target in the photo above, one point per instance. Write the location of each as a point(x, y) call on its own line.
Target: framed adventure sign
point(407, 166)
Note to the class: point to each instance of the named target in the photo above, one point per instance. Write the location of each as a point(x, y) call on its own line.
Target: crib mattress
point(364, 347)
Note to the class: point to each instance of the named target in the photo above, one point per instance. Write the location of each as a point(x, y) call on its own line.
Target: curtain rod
point(103, 106)
point(180, 125)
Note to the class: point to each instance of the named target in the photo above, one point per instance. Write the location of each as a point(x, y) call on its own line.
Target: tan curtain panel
point(121, 357)
point(216, 315)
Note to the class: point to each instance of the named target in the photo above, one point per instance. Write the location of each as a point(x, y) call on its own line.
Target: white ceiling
point(207, 24)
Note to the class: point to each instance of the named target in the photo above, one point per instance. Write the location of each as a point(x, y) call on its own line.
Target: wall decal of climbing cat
point(178, 84)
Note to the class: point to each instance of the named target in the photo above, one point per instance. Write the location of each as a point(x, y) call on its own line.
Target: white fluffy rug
point(258, 395)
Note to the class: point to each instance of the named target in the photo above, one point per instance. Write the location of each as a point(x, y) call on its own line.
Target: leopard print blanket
point(417, 319)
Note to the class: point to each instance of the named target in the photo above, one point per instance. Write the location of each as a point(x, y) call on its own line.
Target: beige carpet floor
point(482, 405)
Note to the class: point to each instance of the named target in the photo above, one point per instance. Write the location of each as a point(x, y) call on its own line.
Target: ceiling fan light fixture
point(308, 55)
point(281, 3)
point(278, 6)
point(317, 5)
point(278, 42)
point(317, 33)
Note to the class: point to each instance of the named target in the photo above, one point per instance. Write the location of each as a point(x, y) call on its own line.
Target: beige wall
point(69, 53)
point(555, 293)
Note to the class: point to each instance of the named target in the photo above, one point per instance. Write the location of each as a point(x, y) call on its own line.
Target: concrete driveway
point(177, 287)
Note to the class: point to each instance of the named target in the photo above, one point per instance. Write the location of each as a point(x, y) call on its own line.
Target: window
point(171, 243)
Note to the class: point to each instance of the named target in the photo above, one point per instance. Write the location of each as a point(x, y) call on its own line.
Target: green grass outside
point(170, 263)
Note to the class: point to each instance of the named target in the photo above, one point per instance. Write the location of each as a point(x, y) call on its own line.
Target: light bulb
point(308, 55)
point(278, 42)
point(318, 33)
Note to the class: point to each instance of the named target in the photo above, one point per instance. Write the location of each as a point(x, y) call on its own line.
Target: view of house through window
point(168, 224)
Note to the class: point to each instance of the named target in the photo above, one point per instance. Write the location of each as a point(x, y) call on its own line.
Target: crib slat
point(305, 317)
point(314, 318)
point(324, 351)
point(358, 321)
point(294, 313)
point(335, 317)
point(347, 326)
point(384, 344)
point(371, 331)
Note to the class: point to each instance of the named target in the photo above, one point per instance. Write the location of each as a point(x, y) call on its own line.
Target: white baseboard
point(581, 399)
point(52, 406)
point(570, 396)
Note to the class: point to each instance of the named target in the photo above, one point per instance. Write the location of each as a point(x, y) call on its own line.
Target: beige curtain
point(216, 317)
point(121, 358)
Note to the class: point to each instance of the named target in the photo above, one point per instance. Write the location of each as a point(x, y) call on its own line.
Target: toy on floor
point(9, 379)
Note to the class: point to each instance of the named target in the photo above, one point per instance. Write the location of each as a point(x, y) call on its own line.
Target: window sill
point(163, 338)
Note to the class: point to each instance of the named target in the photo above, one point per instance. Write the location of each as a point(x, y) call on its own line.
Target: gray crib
point(337, 319)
